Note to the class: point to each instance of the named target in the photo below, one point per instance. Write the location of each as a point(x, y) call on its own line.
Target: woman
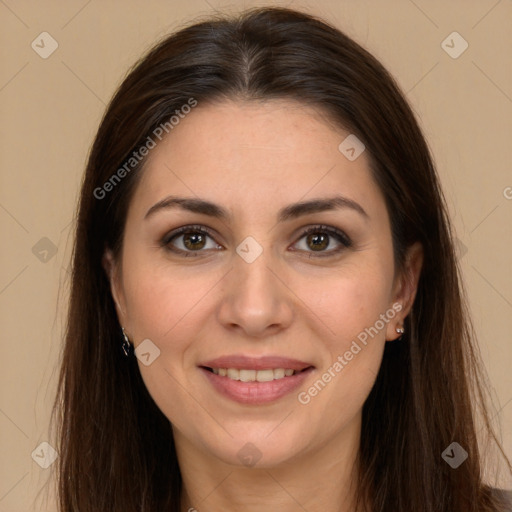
point(266, 311)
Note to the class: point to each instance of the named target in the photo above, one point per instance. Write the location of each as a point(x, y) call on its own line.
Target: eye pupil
point(191, 239)
point(320, 241)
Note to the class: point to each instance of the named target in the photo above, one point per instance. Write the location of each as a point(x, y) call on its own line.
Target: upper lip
point(242, 362)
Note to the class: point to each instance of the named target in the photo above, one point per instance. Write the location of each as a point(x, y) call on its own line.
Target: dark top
point(505, 496)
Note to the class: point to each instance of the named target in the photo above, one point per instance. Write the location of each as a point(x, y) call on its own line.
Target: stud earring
point(125, 345)
point(400, 330)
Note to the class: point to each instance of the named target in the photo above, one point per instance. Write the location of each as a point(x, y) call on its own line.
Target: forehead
point(229, 130)
point(273, 151)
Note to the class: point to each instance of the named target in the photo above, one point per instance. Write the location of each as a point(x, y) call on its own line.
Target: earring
point(400, 330)
point(125, 345)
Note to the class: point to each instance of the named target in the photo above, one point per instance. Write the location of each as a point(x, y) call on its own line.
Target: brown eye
point(188, 240)
point(194, 241)
point(317, 242)
point(318, 239)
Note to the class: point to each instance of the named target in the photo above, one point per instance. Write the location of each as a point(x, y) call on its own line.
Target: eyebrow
point(292, 211)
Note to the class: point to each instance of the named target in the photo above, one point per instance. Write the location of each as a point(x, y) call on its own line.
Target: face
point(272, 284)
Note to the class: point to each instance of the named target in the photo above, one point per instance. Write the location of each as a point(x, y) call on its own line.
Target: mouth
point(255, 381)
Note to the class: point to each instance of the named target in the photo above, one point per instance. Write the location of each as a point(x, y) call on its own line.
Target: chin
point(258, 451)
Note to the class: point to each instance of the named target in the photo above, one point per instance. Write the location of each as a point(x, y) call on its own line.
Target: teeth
point(254, 375)
point(233, 374)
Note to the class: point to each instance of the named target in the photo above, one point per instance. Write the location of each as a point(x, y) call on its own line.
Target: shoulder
point(505, 496)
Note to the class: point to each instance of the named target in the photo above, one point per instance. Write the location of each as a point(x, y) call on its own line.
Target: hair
point(116, 447)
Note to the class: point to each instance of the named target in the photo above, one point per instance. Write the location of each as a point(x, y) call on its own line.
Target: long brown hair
point(116, 447)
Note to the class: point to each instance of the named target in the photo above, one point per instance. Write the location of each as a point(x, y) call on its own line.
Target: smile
point(254, 375)
point(255, 387)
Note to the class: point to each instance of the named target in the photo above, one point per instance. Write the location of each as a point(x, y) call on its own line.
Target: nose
point(256, 300)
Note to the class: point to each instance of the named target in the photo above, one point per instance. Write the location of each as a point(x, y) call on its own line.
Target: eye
point(189, 239)
point(320, 238)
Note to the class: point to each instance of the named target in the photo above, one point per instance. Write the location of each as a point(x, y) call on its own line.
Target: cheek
point(352, 300)
point(167, 307)
point(162, 300)
point(356, 309)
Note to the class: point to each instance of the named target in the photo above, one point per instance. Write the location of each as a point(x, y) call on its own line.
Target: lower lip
point(256, 393)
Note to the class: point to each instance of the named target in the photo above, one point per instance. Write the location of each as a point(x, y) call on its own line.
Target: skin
point(254, 158)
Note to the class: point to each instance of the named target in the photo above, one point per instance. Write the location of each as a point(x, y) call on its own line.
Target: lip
point(255, 393)
point(242, 362)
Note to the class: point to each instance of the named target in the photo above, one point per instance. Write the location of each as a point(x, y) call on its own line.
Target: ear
point(405, 288)
point(113, 271)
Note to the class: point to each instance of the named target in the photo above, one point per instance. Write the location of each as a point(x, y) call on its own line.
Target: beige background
point(50, 110)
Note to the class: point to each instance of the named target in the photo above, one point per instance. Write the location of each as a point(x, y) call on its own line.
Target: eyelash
point(340, 236)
